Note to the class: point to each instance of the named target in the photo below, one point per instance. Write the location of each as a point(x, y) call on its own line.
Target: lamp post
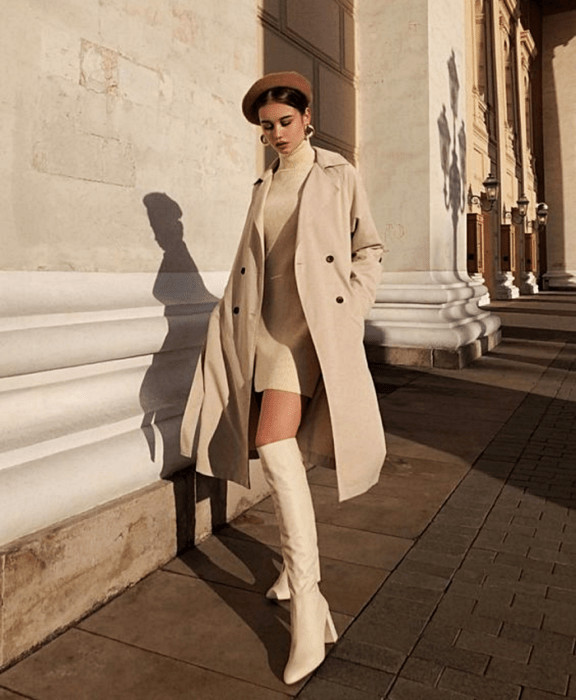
point(542, 217)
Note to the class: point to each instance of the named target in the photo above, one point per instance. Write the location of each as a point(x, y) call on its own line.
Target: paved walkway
point(454, 578)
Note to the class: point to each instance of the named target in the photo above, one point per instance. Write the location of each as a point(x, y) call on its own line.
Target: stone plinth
point(54, 577)
point(529, 285)
point(429, 320)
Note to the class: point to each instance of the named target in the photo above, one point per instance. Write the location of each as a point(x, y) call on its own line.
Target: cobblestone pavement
point(484, 604)
point(454, 578)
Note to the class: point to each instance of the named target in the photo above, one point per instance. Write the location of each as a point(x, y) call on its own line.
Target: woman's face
point(283, 126)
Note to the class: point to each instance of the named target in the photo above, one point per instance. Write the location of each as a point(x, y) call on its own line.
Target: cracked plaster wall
point(104, 101)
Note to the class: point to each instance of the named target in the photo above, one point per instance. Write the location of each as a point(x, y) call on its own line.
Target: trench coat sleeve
point(367, 249)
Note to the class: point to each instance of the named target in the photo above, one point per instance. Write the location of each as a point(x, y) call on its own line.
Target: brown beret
point(289, 79)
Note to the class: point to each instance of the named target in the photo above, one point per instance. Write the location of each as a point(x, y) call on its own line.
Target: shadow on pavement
point(515, 406)
point(232, 560)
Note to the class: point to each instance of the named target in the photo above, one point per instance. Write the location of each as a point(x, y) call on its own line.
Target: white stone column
point(559, 98)
point(412, 153)
point(505, 281)
point(526, 52)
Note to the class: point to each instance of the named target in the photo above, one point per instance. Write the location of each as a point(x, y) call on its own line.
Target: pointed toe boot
point(310, 622)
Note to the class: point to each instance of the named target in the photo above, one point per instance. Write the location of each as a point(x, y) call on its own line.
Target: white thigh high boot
point(279, 590)
point(310, 620)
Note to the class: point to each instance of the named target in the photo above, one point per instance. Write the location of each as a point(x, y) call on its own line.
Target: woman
point(284, 369)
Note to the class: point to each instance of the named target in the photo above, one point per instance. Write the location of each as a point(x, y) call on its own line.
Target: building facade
point(127, 172)
point(521, 87)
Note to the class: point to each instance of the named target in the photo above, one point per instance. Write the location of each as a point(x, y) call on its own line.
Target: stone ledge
point(54, 577)
point(433, 357)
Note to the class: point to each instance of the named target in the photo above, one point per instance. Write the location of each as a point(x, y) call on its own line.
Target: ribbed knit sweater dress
point(285, 355)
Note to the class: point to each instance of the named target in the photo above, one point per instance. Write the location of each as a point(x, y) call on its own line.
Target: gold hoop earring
point(263, 140)
point(309, 131)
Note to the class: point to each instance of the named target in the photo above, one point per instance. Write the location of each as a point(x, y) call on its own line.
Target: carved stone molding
point(95, 373)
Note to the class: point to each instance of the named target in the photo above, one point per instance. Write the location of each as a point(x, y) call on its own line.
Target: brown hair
point(282, 95)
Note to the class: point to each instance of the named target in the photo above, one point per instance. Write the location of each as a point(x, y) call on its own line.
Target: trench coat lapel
point(318, 194)
point(262, 185)
point(320, 183)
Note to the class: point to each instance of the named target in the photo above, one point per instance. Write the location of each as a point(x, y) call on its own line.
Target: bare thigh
point(280, 416)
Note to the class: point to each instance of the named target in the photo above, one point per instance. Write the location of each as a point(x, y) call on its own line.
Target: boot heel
point(330, 634)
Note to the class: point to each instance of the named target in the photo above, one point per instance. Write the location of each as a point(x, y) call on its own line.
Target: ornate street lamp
point(519, 215)
point(523, 203)
point(542, 213)
point(491, 189)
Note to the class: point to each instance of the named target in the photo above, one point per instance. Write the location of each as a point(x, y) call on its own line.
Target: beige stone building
point(127, 169)
point(521, 86)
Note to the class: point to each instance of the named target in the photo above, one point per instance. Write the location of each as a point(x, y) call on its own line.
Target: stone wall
point(104, 102)
point(127, 169)
point(128, 175)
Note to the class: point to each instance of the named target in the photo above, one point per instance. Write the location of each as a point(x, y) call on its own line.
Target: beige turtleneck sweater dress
point(285, 354)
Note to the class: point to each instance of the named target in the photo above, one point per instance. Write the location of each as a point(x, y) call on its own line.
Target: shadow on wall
point(453, 155)
point(164, 391)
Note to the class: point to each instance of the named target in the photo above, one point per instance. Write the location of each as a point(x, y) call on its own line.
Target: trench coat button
point(236, 309)
point(340, 300)
point(330, 258)
point(243, 270)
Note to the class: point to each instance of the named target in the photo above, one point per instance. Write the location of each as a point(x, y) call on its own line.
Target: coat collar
point(324, 159)
point(315, 195)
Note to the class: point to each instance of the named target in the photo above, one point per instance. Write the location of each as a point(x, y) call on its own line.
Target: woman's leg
point(280, 416)
point(284, 470)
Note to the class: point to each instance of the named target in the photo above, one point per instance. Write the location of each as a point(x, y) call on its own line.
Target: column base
point(478, 280)
point(430, 357)
point(505, 287)
point(561, 280)
point(529, 285)
point(430, 319)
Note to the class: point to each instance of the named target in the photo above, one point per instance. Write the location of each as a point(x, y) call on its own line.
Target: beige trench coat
point(338, 267)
